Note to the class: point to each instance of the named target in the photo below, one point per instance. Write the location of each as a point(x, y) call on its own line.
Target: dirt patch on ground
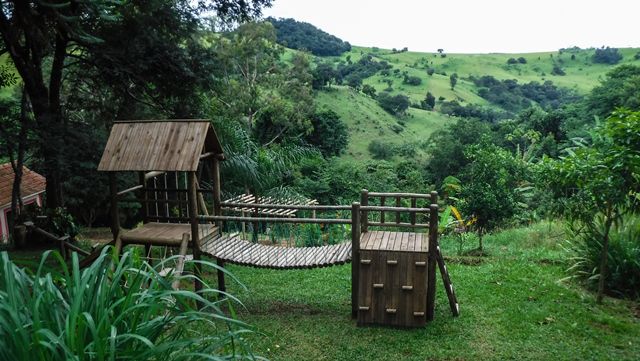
point(468, 261)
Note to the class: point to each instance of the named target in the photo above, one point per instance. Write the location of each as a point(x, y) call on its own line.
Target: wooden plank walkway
point(234, 250)
point(394, 241)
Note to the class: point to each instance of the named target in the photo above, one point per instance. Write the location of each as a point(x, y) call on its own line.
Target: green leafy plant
point(116, 309)
point(623, 273)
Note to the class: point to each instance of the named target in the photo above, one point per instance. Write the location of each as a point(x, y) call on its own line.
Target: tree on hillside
point(394, 104)
point(329, 134)
point(429, 101)
point(607, 55)
point(453, 80)
point(369, 90)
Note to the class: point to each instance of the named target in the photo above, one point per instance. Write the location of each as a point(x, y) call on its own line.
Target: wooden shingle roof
point(32, 183)
point(158, 145)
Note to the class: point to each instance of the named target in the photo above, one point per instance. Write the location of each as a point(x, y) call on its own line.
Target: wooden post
point(431, 270)
point(193, 219)
point(180, 263)
point(144, 195)
point(115, 218)
point(217, 208)
point(382, 200)
point(414, 204)
point(355, 257)
point(398, 204)
point(217, 211)
point(364, 201)
point(256, 215)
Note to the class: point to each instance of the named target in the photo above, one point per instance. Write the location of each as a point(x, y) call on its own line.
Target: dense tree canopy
point(304, 36)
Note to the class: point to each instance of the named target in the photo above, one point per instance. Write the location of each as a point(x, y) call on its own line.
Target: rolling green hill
point(367, 121)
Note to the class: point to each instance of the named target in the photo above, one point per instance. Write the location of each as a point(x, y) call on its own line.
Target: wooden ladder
point(448, 286)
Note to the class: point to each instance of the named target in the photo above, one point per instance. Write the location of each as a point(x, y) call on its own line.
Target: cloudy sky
point(471, 26)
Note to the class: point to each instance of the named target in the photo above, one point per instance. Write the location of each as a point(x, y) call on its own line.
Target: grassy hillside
point(581, 73)
point(367, 121)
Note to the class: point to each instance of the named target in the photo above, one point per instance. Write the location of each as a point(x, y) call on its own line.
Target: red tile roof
point(32, 183)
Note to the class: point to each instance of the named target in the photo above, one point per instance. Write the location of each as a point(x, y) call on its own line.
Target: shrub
point(412, 80)
point(623, 270)
point(380, 149)
point(112, 310)
point(557, 70)
point(396, 104)
point(522, 60)
point(607, 56)
point(512, 61)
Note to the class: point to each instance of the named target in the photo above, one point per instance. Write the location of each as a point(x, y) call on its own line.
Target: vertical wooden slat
point(355, 256)
point(431, 270)
point(398, 204)
point(193, 219)
point(413, 213)
point(364, 201)
point(382, 200)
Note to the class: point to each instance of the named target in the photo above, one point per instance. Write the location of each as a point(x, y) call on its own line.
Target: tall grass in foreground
point(623, 271)
point(113, 310)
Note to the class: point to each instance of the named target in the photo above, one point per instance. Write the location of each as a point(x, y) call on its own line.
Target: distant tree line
point(304, 36)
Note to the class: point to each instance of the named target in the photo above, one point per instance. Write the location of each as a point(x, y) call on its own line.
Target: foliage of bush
point(112, 310)
point(380, 149)
point(330, 134)
point(394, 104)
point(623, 271)
point(472, 111)
point(412, 80)
point(607, 56)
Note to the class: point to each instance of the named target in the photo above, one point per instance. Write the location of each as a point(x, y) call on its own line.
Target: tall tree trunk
point(18, 163)
point(605, 254)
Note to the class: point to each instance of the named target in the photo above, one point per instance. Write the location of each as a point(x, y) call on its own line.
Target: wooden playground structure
point(393, 271)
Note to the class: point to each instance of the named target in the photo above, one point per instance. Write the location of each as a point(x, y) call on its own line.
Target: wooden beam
point(276, 220)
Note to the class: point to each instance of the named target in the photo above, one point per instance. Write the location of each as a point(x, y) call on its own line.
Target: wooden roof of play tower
point(158, 145)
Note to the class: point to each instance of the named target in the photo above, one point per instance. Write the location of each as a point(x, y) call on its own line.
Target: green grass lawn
point(514, 305)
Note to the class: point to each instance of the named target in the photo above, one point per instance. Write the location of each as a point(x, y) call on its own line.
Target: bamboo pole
point(431, 269)
point(195, 239)
point(217, 211)
point(355, 257)
point(364, 202)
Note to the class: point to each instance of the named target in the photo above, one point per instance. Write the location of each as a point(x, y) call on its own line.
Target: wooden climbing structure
point(393, 247)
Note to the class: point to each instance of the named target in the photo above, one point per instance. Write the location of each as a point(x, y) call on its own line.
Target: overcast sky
point(471, 26)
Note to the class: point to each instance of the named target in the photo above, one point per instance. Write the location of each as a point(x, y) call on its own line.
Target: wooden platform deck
point(169, 234)
point(394, 241)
